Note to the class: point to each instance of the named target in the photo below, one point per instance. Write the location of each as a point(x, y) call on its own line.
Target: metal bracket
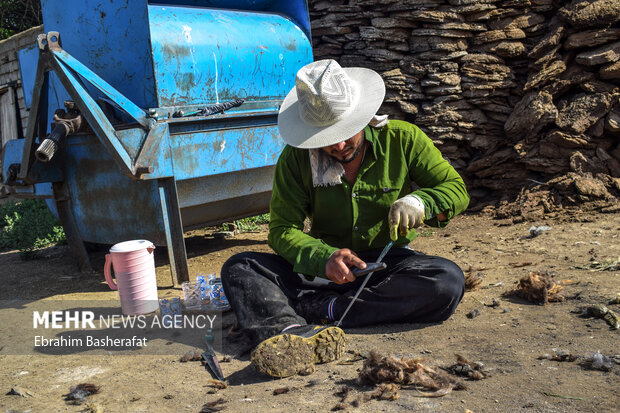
point(71, 74)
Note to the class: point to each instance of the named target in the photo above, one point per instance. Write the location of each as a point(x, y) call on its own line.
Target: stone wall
point(513, 92)
point(9, 65)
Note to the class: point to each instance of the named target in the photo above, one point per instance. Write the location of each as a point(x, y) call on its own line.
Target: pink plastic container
point(134, 268)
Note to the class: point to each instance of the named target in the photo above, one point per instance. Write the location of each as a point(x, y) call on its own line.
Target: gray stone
point(408, 107)
point(382, 54)
point(497, 108)
point(498, 35)
point(613, 121)
point(597, 129)
point(548, 73)
point(490, 36)
point(530, 115)
point(590, 13)
point(432, 55)
point(467, 2)
point(445, 78)
point(516, 3)
point(519, 22)
point(591, 38)
point(582, 111)
point(357, 45)
point(546, 59)
point(372, 33)
point(606, 54)
point(408, 6)
point(329, 31)
point(442, 90)
point(441, 33)
point(569, 140)
point(551, 40)
point(399, 46)
point(480, 96)
point(504, 84)
point(391, 23)
point(327, 50)
point(428, 43)
point(475, 12)
point(441, 67)
point(598, 86)
point(431, 16)
point(481, 58)
point(611, 71)
point(326, 21)
point(509, 50)
point(462, 26)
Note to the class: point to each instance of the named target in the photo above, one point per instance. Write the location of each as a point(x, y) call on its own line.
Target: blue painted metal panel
point(206, 56)
point(111, 38)
point(12, 154)
point(28, 58)
point(108, 206)
point(296, 10)
point(212, 153)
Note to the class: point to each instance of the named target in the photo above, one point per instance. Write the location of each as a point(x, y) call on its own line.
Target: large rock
point(428, 43)
point(391, 23)
point(609, 53)
point(509, 50)
point(591, 38)
point(520, 22)
point(582, 111)
point(548, 73)
point(551, 40)
point(373, 33)
point(574, 75)
point(441, 32)
point(611, 71)
point(591, 13)
point(613, 121)
point(531, 114)
point(568, 140)
point(430, 16)
point(497, 35)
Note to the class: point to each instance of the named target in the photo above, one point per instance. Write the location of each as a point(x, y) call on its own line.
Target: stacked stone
point(512, 91)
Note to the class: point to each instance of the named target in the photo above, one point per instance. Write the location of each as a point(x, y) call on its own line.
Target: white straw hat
point(329, 104)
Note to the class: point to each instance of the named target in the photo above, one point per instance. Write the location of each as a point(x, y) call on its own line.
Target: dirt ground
point(508, 339)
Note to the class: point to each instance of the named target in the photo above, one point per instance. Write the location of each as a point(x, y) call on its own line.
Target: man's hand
point(337, 268)
point(405, 213)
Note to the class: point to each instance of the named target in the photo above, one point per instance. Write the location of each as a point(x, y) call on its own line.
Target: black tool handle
point(370, 267)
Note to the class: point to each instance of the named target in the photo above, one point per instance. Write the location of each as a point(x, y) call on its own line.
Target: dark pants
point(263, 289)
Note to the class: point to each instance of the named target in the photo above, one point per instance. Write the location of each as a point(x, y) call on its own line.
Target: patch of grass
point(252, 224)
point(28, 226)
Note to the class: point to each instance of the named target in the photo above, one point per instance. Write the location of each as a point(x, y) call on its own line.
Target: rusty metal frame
point(75, 241)
point(173, 226)
point(53, 58)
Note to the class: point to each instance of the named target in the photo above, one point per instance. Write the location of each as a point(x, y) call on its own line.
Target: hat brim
point(299, 134)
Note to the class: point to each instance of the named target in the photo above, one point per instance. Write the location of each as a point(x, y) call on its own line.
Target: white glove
point(405, 213)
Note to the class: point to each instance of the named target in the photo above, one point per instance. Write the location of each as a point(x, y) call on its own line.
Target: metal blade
point(359, 290)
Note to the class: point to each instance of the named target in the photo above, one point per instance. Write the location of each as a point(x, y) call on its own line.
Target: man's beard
point(351, 158)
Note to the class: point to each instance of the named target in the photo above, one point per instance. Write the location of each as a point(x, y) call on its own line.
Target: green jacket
point(400, 158)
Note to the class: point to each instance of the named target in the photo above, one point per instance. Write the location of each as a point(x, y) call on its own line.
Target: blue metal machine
point(169, 120)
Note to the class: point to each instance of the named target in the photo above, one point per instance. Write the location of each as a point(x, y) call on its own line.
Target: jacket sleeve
point(289, 207)
point(441, 188)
